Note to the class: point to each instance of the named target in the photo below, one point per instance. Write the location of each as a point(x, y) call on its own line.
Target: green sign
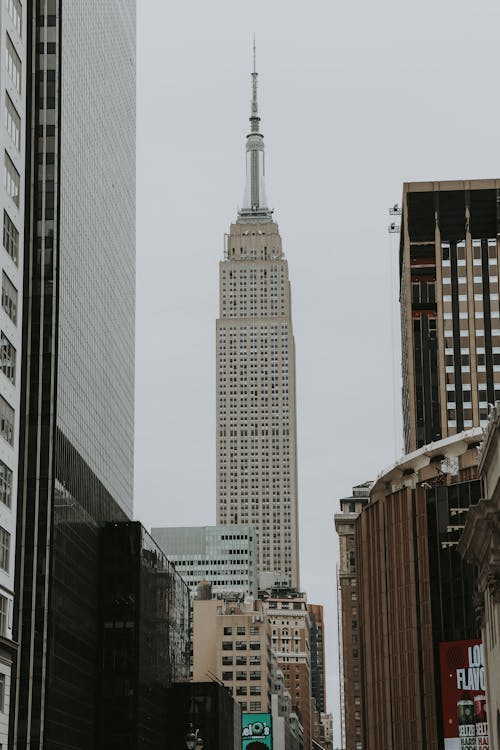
point(256, 731)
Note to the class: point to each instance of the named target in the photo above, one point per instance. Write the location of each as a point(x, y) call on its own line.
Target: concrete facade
point(13, 51)
point(348, 617)
point(290, 624)
point(232, 643)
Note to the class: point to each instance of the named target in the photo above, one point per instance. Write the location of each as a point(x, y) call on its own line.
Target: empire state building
point(256, 412)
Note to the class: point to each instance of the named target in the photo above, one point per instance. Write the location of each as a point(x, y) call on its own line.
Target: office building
point(256, 413)
point(12, 202)
point(144, 636)
point(77, 400)
point(348, 619)
point(450, 314)
point(288, 616)
point(414, 591)
point(479, 545)
point(317, 642)
point(224, 555)
point(232, 643)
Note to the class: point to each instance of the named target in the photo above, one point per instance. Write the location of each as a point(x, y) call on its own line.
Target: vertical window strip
point(3, 614)
point(9, 297)
point(6, 421)
point(7, 358)
point(5, 485)
point(4, 549)
point(12, 122)
point(12, 180)
point(16, 13)
point(13, 63)
point(10, 237)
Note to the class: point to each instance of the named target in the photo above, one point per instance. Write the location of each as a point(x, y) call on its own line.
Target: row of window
point(255, 707)
point(243, 690)
point(242, 630)
point(241, 675)
point(241, 661)
point(240, 646)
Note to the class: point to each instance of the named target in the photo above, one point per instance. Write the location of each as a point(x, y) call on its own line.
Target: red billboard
point(463, 694)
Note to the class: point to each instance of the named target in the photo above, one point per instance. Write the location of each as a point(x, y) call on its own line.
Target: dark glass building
point(207, 707)
point(450, 309)
point(77, 402)
point(144, 624)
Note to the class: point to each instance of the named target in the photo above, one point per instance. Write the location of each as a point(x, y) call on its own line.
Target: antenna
point(214, 678)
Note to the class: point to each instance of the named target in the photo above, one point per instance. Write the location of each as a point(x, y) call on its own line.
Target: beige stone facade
point(256, 411)
point(348, 617)
point(289, 620)
point(232, 643)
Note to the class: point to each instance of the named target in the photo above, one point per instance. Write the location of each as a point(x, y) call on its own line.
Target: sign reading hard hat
point(256, 731)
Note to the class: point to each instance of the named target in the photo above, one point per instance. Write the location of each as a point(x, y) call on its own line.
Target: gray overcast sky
point(355, 98)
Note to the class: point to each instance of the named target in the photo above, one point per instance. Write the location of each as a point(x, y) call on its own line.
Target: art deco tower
point(256, 419)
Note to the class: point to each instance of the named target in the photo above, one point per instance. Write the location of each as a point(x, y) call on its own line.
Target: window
point(10, 237)
point(2, 694)
point(227, 676)
point(4, 549)
point(227, 645)
point(12, 122)
point(3, 615)
point(240, 630)
point(16, 13)
point(6, 421)
point(254, 706)
point(228, 631)
point(13, 64)
point(255, 645)
point(5, 485)
point(255, 690)
point(7, 358)
point(12, 180)
point(9, 298)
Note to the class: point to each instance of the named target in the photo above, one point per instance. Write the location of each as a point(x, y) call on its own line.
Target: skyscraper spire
point(254, 113)
point(255, 200)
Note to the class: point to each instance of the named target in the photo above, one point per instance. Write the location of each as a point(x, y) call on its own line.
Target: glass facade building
point(144, 631)
point(208, 707)
point(450, 307)
point(77, 369)
point(226, 556)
